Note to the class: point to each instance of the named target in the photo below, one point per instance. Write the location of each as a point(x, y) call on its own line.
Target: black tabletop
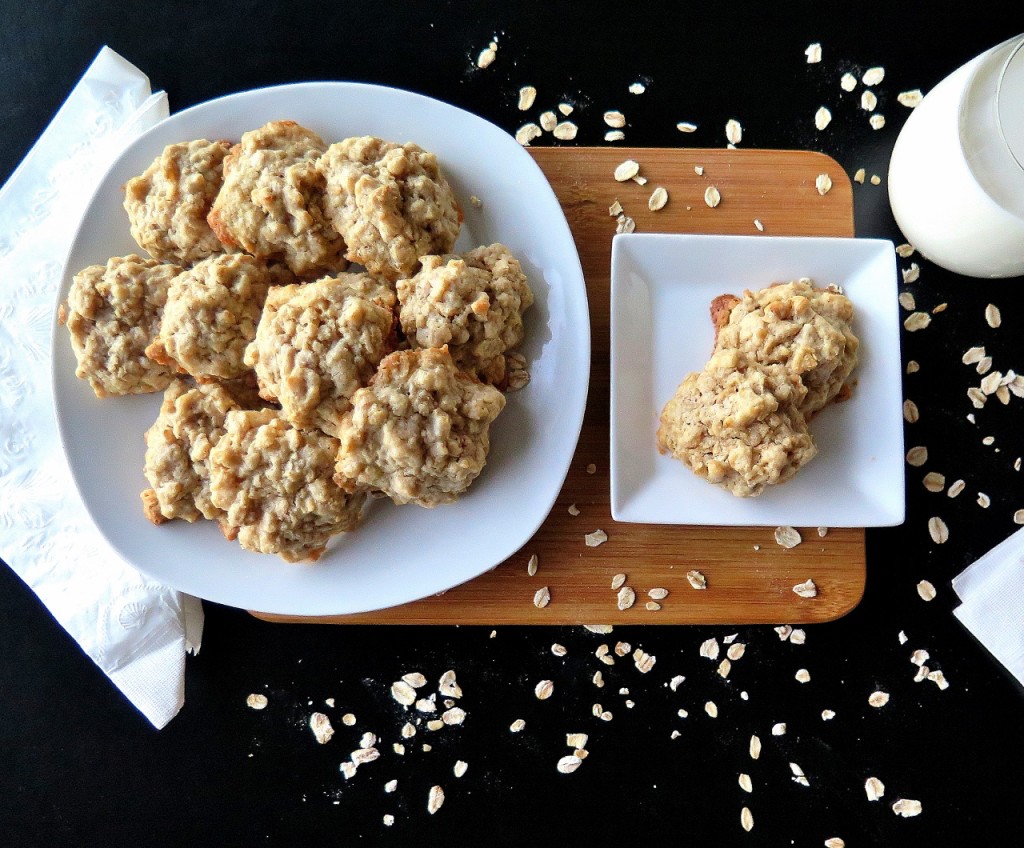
point(82, 767)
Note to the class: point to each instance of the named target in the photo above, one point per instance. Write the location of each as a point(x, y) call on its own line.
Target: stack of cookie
point(781, 355)
point(296, 385)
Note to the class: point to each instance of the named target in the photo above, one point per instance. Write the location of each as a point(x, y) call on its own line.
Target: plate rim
point(873, 247)
point(571, 418)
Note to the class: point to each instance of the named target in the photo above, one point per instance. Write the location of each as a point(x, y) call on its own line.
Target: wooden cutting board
point(750, 578)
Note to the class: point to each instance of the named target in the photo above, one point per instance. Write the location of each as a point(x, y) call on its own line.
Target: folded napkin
point(136, 630)
point(992, 591)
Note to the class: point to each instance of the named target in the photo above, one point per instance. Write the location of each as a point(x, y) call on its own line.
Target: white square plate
point(661, 289)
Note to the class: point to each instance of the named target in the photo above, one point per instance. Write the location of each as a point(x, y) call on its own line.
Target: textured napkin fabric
point(992, 591)
point(135, 630)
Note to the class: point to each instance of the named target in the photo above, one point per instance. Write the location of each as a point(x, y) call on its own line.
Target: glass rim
point(1016, 53)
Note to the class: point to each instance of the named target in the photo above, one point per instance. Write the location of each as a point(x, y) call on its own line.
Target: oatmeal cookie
point(390, 202)
point(211, 316)
point(319, 342)
point(273, 482)
point(113, 313)
point(178, 446)
point(738, 423)
point(799, 326)
point(272, 201)
point(419, 432)
point(167, 205)
point(473, 303)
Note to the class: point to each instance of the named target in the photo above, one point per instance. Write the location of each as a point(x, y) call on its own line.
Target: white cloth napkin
point(992, 591)
point(134, 629)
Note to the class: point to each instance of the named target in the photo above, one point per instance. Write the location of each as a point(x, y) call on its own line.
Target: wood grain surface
point(749, 577)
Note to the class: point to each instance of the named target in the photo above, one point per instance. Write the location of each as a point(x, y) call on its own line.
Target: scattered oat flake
point(658, 594)
point(827, 715)
point(736, 651)
point(878, 699)
point(527, 133)
point(615, 209)
point(939, 679)
point(320, 724)
point(658, 199)
point(813, 54)
point(822, 532)
point(361, 756)
point(797, 637)
point(256, 702)
point(674, 683)
point(868, 101)
point(911, 274)
point(822, 118)
point(643, 661)
point(910, 99)
point(907, 807)
point(476, 202)
point(917, 456)
point(709, 648)
point(368, 740)
point(573, 510)
point(487, 55)
point(711, 708)
point(527, 95)
point(435, 798)
point(759, 225)
point(834, 842)
point(747, 819)
point(917, 321)
point(615, 119)
point(686, 127)
point(905, 250)
point(448, 687)
point(992, 316)
point(565, 131)
point(907, 301)
point(938, 530)
point(542, 597)
point(348, 719)
point(626, 170)
point(874, 788)
point(807, 589)
point(873, 76)
point(788, 537)
point(618, 581)
point(934, 481)
point(653, 606)
point(926, 590)
point(517, 725)
point(875, 179)
point(877, 121)
point(637, 88)
point(859, 175)
point(1018, 517)
point(984, 501)
point(531, 565)
point(913, 366)
point(712, 196)
point(803, 676)
point(724, 667)
point(565, 108)
point(848, 82)
point(348, 768)
point(598, 537)
point(548, 120)
point(755, 747)
point(544, 689)
point(601, 629)
point(783, 630)
point(626, 598)
point(559, 650)
point(733, 131)
point(823, 183)
point(456, 715)
point(745, 783)
point(426, 705)
point(696, 580)
point(698, 170)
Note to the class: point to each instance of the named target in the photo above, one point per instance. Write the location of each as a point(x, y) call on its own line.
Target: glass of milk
point(956, 177)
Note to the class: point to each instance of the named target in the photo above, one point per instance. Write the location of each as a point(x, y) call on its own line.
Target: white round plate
point(399, 554)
